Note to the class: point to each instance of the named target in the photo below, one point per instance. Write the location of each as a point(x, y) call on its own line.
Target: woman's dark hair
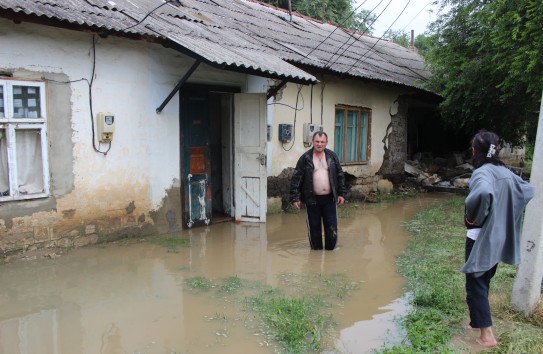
point(486, 149)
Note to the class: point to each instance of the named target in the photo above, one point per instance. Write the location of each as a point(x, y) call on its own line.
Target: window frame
point(341, 151)
point(9, 125)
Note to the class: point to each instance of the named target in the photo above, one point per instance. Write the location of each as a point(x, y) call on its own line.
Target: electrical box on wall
point(106, 126)
point(285, 133)
point(309, 130)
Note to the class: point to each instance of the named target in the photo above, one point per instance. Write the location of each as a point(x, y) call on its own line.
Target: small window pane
point(29, 161)
point(4, 173)
point(26, 102)
point(2, 113)
point(351, 136)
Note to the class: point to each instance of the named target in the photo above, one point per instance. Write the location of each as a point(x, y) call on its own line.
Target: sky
point(415, 16)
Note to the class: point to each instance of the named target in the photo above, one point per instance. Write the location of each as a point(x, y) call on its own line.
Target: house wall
point(134, 189)
point(382, 101)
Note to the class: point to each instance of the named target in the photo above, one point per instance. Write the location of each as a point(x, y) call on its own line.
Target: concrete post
point(527, 286)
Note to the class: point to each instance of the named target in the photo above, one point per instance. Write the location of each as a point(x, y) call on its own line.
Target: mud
point(132, 297)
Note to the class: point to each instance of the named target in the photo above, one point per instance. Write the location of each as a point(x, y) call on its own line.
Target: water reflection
point(132, 297)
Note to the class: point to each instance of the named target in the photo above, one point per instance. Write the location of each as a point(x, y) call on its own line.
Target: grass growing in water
point(199, 283)
point(431, 263)
point(297, 323)
point(171, 242)
point(230, 285)
point(297, 315)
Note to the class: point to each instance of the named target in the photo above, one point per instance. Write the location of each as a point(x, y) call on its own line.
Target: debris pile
point(450, 174)
point(443, 174)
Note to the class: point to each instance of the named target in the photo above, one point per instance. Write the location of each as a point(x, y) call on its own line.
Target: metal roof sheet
point(238, 35)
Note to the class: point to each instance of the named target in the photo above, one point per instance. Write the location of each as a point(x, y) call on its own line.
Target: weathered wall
point(134, 189)
point(382, 100)
point(395, 142)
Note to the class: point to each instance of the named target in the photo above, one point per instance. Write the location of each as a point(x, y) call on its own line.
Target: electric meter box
point(309, 130)
point(106, 126)
point(285, 133)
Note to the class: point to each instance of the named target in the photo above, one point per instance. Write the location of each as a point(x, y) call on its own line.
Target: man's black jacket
point(301, 184)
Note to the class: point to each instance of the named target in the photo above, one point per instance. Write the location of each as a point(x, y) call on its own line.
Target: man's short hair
point(320, 133)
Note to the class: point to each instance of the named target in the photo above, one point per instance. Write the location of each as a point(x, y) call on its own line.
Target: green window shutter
point(364, 136)
point(338, 134)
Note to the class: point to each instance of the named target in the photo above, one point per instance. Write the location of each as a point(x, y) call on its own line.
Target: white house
point(141, 117)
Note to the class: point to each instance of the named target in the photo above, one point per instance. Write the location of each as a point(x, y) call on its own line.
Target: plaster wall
point(381, 100)
point(135, 186)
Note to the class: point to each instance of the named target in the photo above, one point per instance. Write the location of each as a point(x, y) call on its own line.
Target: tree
point(398, 36)
point(422, 43)
point(340, 12)
point(485, 58)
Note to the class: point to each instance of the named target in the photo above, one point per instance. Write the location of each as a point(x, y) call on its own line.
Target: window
point(24, 170)
point(352, 139)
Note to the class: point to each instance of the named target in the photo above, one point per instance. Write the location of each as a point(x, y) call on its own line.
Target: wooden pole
point(527, 286)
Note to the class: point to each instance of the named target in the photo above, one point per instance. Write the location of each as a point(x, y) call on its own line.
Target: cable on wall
point(89, 83)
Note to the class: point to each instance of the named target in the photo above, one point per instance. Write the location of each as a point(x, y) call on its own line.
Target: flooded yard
point(140, 296)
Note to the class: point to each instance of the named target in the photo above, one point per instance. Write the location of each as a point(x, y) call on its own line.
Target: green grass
point(171, 242)
point(230, 285)
point(199, 283)
point(431, 264)
point(295, 317)
point(297, 323)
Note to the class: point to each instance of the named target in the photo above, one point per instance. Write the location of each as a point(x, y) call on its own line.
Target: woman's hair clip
point(491, 150)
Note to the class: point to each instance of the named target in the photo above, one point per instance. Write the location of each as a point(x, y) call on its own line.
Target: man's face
point(319, 142)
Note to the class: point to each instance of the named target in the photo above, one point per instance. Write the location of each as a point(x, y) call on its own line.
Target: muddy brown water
point(133, 297)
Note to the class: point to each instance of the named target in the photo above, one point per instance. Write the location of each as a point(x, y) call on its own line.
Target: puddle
point(132, 297)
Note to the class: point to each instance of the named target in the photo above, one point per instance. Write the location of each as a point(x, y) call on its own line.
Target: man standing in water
point(319, 182)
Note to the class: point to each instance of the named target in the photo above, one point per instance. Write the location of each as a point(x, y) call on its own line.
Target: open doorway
point(206, 154)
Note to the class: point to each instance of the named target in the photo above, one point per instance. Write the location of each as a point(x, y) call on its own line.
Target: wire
point(148, 14)
point(337, 26)
point(89, 83)
point(356, 39)
point(373, 46)
point(289, 106)
point(295, 112)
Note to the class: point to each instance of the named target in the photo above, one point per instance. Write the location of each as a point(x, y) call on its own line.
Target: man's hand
point(340, 200)
point(296, 205)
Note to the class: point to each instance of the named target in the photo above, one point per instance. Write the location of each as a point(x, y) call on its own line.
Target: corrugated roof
point(238, 35)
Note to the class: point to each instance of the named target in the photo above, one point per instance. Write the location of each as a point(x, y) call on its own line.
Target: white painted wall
point(132, 78)
point(336, 92)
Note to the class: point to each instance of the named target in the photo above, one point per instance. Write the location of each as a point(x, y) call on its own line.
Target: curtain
point(29, 161)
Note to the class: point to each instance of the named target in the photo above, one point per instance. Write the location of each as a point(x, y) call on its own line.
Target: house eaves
point(179, 27)
point(239, 35)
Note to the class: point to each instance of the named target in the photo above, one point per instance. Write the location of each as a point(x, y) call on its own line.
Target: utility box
point(106, 126)
point(285, 133)
point(309, 130)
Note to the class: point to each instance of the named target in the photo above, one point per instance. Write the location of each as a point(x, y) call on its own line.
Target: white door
point(250, 183)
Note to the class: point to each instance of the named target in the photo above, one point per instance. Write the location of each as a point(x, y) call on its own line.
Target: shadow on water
point(136, 297)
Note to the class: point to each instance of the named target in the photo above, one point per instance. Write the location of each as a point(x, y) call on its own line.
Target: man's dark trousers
point(324, 212)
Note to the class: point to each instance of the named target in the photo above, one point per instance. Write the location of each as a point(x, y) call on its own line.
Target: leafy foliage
point(485, 57)
point(340, 12)
point(398, 36)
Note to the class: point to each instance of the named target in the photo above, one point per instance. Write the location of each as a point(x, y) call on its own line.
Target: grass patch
point(230, 285)
point(431, 263)
point(171, 242)
point(395, 196)
point(199, 283)
point(297, 323)
point(295, 317)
